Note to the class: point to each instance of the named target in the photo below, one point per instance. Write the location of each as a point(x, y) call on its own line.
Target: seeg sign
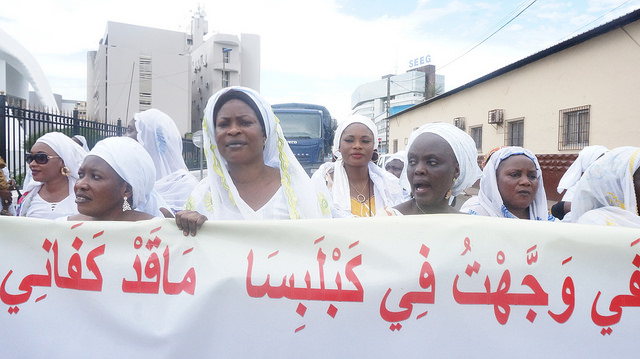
point(419, 61)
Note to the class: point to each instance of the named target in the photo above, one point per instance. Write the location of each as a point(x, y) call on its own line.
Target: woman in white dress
point(252, 172)
point(608, 192)
point(441, 163)
point(113, 185)
point(356, 185)
point(512, 187)
point(53, 161)
point(159, 135)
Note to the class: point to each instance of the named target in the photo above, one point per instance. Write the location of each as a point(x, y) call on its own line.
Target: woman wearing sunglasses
point(53, 160)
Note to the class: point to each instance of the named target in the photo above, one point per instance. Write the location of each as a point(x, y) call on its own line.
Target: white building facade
point(391, 94)
point(222, 60)
point(137, 68)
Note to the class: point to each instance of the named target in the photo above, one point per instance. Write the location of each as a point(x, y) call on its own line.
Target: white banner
point(415, 286)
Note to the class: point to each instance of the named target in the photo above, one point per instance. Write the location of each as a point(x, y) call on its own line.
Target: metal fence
point(20, 127)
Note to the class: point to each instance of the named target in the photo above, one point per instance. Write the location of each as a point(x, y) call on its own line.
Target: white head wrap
point(585, 158)
point(72, 156)
point(400, 155)
point(67, 149)
point(217, 197)
point(349, 121)
point(160, 136)
point(83, 141)
point(608, 182)
point(489, 198)
point(464, 148)
point(386, 188)
point(134, 165)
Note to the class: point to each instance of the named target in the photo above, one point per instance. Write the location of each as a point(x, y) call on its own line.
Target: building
point(18, 70)
point(583, 91)
point(222, 60)
point(136, 68)
point(391, 94)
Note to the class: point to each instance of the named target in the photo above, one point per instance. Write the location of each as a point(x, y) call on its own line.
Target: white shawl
point(72, 156)
point(608, 182)
point(217, 197)
point(159, 135)
point(585, 158)
point(386, 189)
point(489, 199)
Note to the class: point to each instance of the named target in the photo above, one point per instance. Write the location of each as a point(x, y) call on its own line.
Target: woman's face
point(517, 182)
point(356, 145)
point(431, 168)
point(131, 130)
point(99, 190)
point(48, 171)
point(238, 133)
point(394, 167)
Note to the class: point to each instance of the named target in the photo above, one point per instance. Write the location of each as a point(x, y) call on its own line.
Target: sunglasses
point(40, 158)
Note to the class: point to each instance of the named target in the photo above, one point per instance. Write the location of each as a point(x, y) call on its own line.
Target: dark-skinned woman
point(441, 163)
point(357, 186)
point(252, 172)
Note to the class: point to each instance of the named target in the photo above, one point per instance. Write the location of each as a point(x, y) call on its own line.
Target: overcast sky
point(317, 51)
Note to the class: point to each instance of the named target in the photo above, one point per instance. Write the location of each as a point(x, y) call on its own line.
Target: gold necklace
point(420, 208)
point(360, 197)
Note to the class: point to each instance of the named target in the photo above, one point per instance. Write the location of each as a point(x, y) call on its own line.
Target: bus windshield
point(300, 124)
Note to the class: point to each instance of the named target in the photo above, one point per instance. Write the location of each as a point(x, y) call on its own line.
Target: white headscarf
point(400, 156)
point(464, 148)
point(72, 156)
point(585, 158)
point(489, 198)
point(608, 182)
point(159, 135)
point(134, 165)
point(217, 197)
point(386, 188)
point(83, 141)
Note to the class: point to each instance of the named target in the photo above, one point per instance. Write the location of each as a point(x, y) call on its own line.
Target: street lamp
point(225, 59)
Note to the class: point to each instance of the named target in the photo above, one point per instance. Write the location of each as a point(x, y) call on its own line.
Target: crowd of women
point(253, 174)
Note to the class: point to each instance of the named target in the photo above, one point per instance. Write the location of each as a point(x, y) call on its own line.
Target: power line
point(488, 37)
point(595, 20)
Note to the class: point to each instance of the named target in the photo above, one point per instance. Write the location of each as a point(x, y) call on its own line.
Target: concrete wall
point(602, 72)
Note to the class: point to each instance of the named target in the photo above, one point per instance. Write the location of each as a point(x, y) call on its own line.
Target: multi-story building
point(136, 68)
point(391, 94)
point(580, 92)
point(222, 60)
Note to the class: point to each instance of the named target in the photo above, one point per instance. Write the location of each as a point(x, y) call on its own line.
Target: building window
point(573, 132)
point(145, 74)
point(476, 134)
point(226, 55)
point(395, 146)
point(226, 79)
point(514, 134)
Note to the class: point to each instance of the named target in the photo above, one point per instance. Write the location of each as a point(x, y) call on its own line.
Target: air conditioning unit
point(459, 123)
point(496, 116)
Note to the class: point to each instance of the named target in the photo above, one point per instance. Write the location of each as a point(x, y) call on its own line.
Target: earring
point(125, 205)
point(450, 192)
point(65, 171)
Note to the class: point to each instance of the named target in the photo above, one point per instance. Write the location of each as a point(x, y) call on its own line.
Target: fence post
point(119, 129)
point(3, 125)
point(76, 123)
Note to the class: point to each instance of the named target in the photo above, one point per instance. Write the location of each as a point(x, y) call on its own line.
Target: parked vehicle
point(309, 130)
